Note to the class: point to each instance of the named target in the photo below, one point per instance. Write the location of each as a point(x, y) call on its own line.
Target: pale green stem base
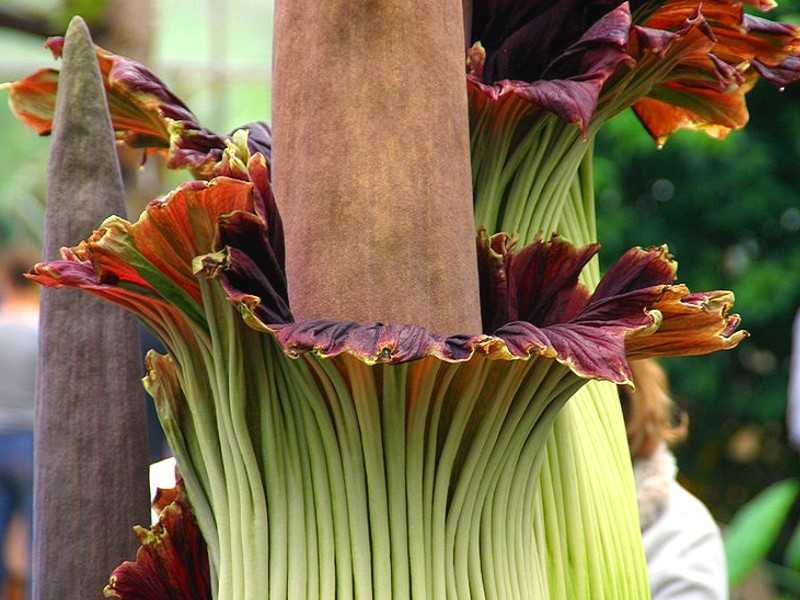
point(538, 181)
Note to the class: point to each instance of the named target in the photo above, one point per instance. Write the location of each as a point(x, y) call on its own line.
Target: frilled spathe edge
point(571, 84)
point(228, 230)
point(594, 344)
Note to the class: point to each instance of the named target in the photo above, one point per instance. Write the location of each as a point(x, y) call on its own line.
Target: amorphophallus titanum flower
point(335, 458)
point(549, 183)
point(544, 76)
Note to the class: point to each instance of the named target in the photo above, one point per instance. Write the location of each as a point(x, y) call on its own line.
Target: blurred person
point(682, 543)
point(19, 318)
point(793, 407)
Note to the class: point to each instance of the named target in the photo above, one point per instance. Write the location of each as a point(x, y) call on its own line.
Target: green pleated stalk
point(333, 478)
point(532, 175)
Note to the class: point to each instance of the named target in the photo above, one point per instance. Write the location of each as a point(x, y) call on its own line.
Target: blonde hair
point(650, 415)
point(14, 262)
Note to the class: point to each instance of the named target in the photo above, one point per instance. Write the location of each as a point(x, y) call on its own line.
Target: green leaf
point(791, 557)
point(755, 527)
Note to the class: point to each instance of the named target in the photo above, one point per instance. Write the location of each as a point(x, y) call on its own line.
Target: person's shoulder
point(685, 506)
point(685, 553)
point(685, 521)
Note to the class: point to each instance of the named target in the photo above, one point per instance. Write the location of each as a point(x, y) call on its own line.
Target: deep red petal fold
point(172, 561)
point(569, 81)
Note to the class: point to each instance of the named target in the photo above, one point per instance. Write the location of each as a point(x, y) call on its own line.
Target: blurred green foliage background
point(729, 212)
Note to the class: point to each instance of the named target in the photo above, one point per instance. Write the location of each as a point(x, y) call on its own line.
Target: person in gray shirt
point(19, 317)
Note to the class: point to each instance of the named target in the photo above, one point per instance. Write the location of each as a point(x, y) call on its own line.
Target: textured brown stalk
point(91, 451)
point(371, 161)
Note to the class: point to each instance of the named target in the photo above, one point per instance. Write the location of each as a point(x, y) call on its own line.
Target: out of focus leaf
point(755, 527)
point(791, 557)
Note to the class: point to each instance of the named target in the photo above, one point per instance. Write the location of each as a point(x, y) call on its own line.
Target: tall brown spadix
point(90, 443)
point(371, 162)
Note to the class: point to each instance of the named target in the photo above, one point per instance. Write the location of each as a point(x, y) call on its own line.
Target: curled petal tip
point(718, 51)
point(172, 561)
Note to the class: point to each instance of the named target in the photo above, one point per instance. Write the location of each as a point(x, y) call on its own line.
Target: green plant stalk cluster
point(532, 175)
point(585, 489)
point(319, 478)
point(521, 188)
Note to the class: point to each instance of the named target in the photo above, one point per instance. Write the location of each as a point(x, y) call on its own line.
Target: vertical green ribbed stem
point(330, 490)
point(421, 388)
point(393, 423)
point(537, 179)
point(331, 478)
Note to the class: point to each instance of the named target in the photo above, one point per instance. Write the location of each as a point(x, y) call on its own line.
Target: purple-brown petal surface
point(544, 311)
point(555, 60)
point(523, 39)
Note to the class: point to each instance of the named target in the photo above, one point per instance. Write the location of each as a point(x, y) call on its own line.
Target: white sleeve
point(793, 408)
point(684, 550)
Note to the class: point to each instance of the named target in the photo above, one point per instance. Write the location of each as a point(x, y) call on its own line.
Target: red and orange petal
point(33, 99)
point(139, 102)
point(147, 266)
point(168, 235)
point(144, 112)
point(739, 38)
point(76, 270)
point(697, 323)
point(706, 88)
point(147, 114)
point(662, 119)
